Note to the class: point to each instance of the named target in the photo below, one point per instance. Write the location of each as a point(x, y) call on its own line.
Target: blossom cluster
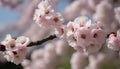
point(77, 33)
point(14, 49)
point(84, 34)
point(46, 15)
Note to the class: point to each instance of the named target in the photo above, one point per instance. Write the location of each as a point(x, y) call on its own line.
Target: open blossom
point(46, 15)
point(61, 31)
point(15, 48)
point(9, 42)
point(85, 35)
point(113, 42)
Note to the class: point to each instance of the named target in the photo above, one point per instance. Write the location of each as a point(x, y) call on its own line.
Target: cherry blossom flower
point(15, 48)
point(113, 42)
point(84, 34)
point(9, 42)
point(46, 15)
point(61, 31)
point(16, 56)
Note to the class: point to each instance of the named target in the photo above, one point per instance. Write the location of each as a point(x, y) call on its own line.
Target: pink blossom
point(82, 36)
point(85, 35)
point(113, 42)
point(9, 42)
point(61, 31)
point(16, 48)
point(97, 35)
point(46, 15)
point(16, 56)
point(22, 41)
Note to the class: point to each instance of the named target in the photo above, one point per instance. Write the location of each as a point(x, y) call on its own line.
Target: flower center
point(56, 19)
point(95, 35)
point(47, 11)
point(83, 36)
point(12, 45)
point(2, 47)
point(92, 45)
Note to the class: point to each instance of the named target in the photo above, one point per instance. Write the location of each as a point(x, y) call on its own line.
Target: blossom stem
point(42, 41)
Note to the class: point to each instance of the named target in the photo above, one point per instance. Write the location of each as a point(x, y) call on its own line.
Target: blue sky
point(8, 16)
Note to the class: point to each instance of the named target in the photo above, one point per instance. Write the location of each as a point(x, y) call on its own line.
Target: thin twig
point(41, 41)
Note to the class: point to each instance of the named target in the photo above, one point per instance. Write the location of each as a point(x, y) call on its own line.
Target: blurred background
point(16, 18)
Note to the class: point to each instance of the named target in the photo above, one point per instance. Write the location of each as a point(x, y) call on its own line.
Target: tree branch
point(42, 41)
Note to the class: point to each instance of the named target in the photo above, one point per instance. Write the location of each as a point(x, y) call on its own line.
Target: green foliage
point(111, 65)
point(64, 62)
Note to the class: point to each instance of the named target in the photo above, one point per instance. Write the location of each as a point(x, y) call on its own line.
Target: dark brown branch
point(42, 41)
